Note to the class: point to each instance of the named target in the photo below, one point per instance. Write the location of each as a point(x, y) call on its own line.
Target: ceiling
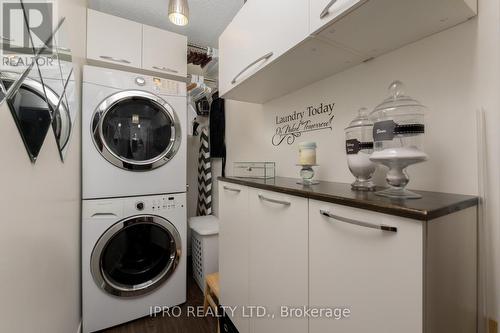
point(208, 18)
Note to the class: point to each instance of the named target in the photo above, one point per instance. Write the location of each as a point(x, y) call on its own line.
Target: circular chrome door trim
point(123, 290)
point(52, 99)
point(128, 164)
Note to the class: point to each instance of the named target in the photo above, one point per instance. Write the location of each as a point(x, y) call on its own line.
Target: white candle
point(307, 153)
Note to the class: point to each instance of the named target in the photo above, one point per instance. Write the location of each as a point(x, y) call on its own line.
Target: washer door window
point(136, 130)
point(135, 256)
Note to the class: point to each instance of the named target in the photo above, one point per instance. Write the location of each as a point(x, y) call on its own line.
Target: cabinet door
point(278, 259)
point(380, 26)
point(260, 33)
point(377, 275)
point(323, 12)
point(237, 45)
point(233, 251)
point(164, 51)
point(113, 39)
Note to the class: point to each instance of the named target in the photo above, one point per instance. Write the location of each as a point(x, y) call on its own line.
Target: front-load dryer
point(133, 258)
point(133, 134)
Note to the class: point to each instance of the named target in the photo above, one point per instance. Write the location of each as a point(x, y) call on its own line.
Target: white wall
point(40, 224)
point(454, 73)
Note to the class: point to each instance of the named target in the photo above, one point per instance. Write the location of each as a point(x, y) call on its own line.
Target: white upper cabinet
point(260, 33)
point(164, 51)
point(236, 46)
point(127, 43)
point(113, 39)
point(268, 46)
point(376, 27)
point(323, 12)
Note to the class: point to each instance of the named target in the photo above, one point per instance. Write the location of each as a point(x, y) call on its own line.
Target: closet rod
point(194, 46)
point(205, 79)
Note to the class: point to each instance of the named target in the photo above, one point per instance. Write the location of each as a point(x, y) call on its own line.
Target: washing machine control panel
point(158, 203)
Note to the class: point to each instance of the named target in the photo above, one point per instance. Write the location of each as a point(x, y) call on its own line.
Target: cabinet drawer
point(164, 51)
point(377, 274)
point(278, 259)
point(233, 250)
point(113, 39)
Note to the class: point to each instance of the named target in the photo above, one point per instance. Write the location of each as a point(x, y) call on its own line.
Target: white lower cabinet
point(355, 270)
point(233, 251)
point(278, 259)
point(377, 275)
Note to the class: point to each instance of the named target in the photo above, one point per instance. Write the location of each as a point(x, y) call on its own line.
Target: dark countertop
point(431, 206)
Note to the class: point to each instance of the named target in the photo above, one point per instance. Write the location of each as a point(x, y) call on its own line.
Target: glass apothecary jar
point(398, 133)
point(359, 146)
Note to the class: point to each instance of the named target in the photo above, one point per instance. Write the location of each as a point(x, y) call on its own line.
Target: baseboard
point(492, 326)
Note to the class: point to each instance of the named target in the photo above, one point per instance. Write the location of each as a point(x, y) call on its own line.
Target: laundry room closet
point(206, 148)
point(202, 90)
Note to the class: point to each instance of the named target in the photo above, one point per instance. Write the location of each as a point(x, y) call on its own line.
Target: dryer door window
point(136, 256)
point(136, 130)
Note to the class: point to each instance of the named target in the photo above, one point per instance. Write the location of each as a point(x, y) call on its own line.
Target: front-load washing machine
point(133, 135)
point(133, 258)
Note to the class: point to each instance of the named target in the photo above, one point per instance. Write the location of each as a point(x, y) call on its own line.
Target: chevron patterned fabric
point(204, 176)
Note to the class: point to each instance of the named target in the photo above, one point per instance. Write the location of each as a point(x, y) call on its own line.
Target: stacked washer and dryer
point(134, 196)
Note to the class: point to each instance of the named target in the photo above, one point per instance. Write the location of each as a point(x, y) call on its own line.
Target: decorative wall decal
point(36, 76)
point(63, 120)
point(311, 119)
point(30, 110)
point(68, 109)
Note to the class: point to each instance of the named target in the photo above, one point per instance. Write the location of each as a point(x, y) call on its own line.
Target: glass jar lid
point(307, 145)
point(361, 120)
point(398, 104)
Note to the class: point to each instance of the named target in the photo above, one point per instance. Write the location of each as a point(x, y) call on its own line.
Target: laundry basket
point(204, 247)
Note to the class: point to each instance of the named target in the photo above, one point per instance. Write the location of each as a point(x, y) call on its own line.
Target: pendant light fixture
point(178, 12)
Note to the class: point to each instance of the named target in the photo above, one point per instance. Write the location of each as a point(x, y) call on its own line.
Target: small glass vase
point(307, 175)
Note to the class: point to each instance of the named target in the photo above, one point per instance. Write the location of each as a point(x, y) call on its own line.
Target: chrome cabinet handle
point(280, 202)
point(327, 8)
point(123, 61)
point(165, 69)
point(264, 57)
point(237, 190)
point(6, 39)
point(359, 223)
point(104, 215)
